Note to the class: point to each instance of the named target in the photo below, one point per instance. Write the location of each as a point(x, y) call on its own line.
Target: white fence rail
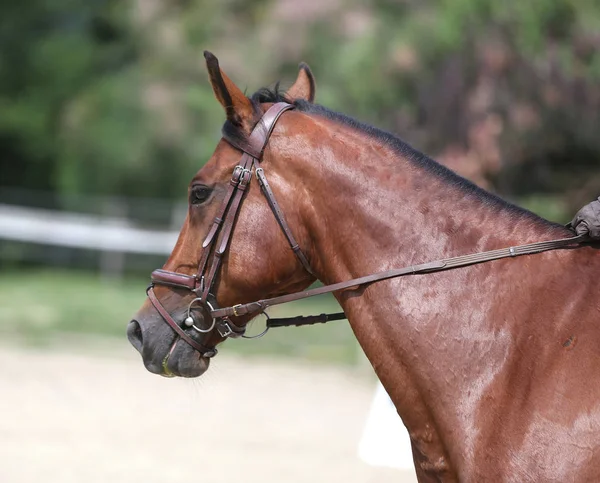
point(113, 237)
point(107, 234)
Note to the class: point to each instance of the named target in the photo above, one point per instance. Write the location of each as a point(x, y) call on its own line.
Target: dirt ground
point(98, 416)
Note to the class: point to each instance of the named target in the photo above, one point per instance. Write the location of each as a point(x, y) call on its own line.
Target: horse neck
point(373, 208)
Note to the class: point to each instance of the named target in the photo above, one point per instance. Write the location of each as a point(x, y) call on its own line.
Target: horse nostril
point(134, 334)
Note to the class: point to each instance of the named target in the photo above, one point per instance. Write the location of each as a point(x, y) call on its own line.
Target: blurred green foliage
point(111, 97)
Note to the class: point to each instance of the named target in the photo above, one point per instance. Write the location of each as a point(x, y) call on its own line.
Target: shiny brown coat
point(494, 368)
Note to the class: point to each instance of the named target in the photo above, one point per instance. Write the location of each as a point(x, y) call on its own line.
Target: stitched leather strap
point(226, 232)
point(255, 143)
point(266, 188)
point(221, 230)
point(225, 219)
point(435, 266)
point(235, 207)
point(173, 279)
point(218, 221)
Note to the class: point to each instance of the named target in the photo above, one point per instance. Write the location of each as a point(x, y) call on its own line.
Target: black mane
point(272, 95)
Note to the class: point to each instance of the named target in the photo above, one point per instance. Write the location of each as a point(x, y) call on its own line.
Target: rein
point(202, 283)
point(423, 268)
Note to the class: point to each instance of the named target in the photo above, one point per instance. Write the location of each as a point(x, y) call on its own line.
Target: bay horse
point(494, 368)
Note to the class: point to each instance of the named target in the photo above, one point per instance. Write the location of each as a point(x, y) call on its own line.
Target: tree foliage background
point(110, 97)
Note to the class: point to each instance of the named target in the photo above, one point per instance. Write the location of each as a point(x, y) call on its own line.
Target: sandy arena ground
point(69, 417)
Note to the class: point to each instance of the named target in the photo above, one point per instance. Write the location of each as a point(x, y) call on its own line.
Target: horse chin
point(183, 361)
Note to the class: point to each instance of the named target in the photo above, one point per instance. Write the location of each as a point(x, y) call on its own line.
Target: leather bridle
point(202, 283)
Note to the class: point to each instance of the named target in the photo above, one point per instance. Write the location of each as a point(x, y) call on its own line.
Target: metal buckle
point(260, 181)
point(245, 178)
point(237, 172)
point(200, 287)
point(225, 330)
point(234, 308)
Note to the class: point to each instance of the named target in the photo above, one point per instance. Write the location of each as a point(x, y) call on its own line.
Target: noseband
point(201, 284)
point(218, 238)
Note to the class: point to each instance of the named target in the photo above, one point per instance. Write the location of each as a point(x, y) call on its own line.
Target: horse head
point(230, 249)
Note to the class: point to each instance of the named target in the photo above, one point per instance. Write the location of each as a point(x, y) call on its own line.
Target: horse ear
point(237, 106)
point(304, 87)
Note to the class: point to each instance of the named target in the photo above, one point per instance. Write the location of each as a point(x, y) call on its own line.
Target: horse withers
point(493, 368)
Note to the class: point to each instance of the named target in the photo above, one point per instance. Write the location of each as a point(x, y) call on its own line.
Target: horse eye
point(199, 194)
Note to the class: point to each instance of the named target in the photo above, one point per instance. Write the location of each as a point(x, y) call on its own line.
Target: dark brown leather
point(218, 221)
point(219, 235)
point(226, 218)
point(430, 267)
point(256, 142)
point(205, 351)
point(226, 230)
point(266, 188)
point(235, 206)
point(241, 174)
point(173, 279)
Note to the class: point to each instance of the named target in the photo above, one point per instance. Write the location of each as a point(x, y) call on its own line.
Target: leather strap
point(220, 232)
point(256, 142)
point(173, 279)
point(235, 207)
point(205, 351)
point(218, 221)
point(435, 266)
point(241, 177)
point(227, 229)
point(301, 320)
point(266, 188)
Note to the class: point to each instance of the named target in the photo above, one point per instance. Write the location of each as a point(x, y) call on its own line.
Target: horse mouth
point(183, 361)
point(178, 359)
point(189, 371)
point(190, 364)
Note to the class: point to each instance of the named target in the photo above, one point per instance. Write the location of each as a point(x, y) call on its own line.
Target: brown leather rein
point(219, 235)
